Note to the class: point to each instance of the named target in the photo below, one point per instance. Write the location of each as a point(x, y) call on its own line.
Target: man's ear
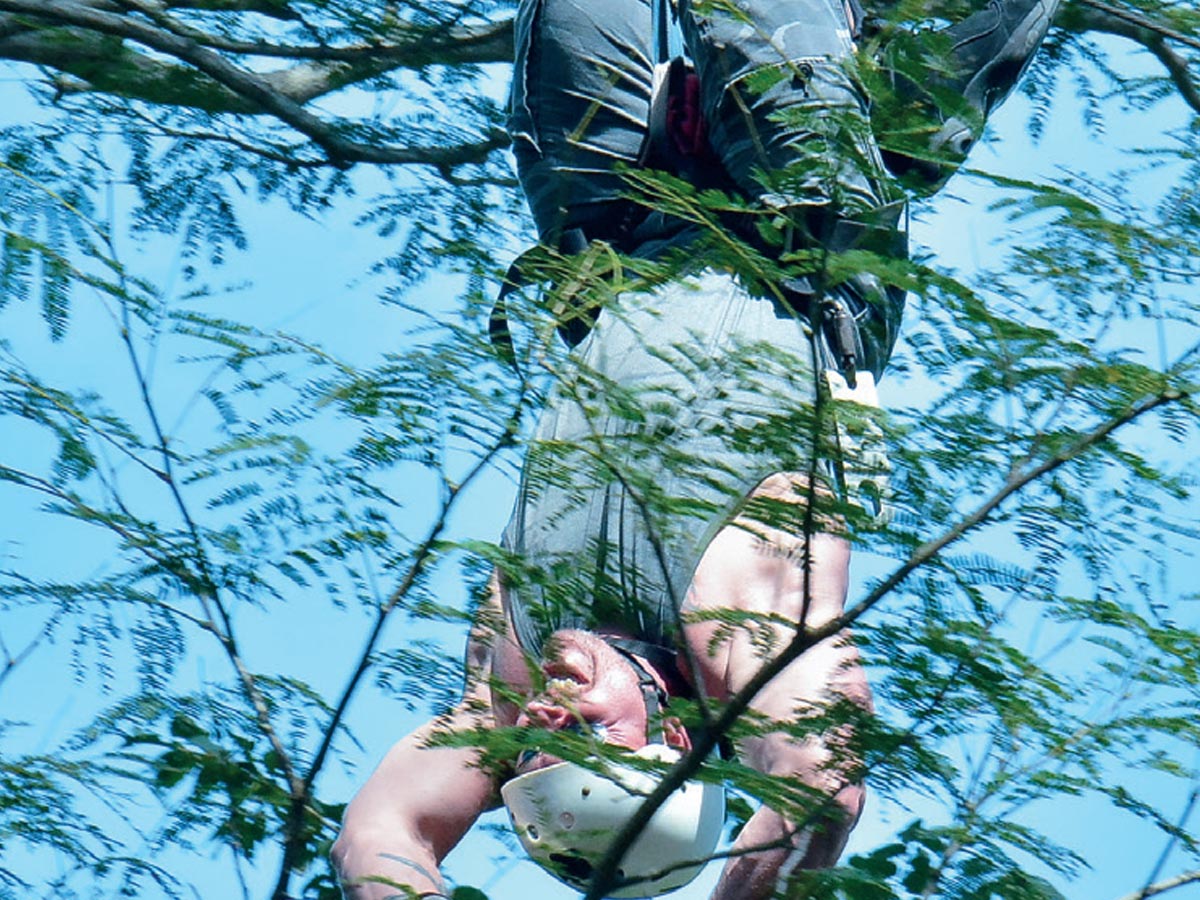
point(675, 735)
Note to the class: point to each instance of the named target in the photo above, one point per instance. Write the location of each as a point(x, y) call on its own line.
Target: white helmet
point(566, 816)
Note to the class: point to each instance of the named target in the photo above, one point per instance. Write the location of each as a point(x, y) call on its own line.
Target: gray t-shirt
point(681, 401)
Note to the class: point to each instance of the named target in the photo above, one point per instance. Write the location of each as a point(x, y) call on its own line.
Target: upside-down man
point(669, 535)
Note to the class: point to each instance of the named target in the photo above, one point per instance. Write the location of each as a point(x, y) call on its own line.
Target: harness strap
point(665, 662)
point(574, 241)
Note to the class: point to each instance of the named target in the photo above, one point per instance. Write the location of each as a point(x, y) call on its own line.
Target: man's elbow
point(833, 776)
point(348, 855)
point(369, 857)
point(360, 854)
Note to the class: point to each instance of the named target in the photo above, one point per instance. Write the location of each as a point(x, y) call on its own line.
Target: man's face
point(589, 687)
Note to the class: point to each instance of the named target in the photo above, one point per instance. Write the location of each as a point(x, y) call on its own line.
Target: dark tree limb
point(256, 93)
point(399, 45)
point(275, 9)
point(1099, 16)
point(78, 43)
point(444, 158)
point(1102, 12)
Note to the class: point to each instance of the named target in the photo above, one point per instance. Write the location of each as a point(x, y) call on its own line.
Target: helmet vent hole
point(574, 867)
point(532, 831)
point(566, 820)
point(585, 792)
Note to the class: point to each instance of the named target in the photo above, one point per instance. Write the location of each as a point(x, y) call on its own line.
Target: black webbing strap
point(574, 241)
point(664, 660)
point(653, 696)
point(666, 663)
point(498, 330)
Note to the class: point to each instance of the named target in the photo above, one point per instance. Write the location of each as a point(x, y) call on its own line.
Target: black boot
point(954, 78)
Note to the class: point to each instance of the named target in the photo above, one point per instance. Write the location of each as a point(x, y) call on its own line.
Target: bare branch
point(1096, 15)
point(1161, 887)
point(275, 9)
point(443, 158)
point(153, 129)
point(402, 47)
point(1136, 20)
point(90, 62)
point(256, 91)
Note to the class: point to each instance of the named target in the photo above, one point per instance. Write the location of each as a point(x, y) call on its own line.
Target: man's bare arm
point(409, 814)
point(760, 570)
point(421, 800)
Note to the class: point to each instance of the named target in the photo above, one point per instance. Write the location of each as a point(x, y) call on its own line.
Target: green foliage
point(926, 862)
point(1028, 640)
point(262, 512)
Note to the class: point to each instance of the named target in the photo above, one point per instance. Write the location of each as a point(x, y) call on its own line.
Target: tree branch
point(1103, 12)
point(275, 9)
point(442, 158)
point(73, 44)
point(1161, 887)
point(703, 744)
point(1096, 15)
point(155, 129)
point(256, 92)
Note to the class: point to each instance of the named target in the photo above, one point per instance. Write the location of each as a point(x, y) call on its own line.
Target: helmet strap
point(665, 662)
point(654, 696)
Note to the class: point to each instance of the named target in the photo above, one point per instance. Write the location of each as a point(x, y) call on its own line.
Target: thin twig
point(1167, 884)
point(605, 872)
point(293, 841)
point(12, 660)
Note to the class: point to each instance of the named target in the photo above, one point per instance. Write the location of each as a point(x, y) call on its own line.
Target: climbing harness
point(676, 141)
